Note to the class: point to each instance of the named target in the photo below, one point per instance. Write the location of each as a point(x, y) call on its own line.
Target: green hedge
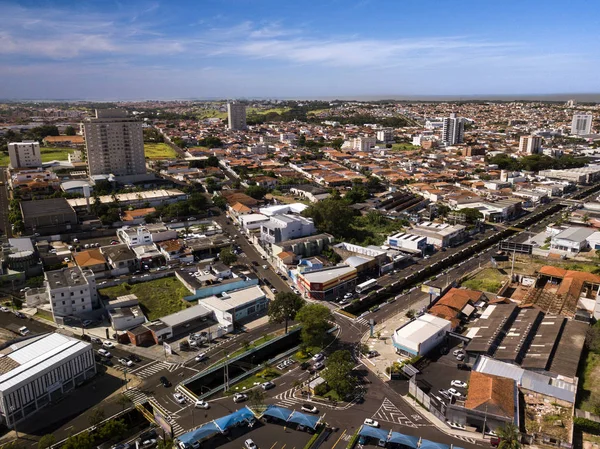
point(353, 440)
point(314, 437)
point(587, 425)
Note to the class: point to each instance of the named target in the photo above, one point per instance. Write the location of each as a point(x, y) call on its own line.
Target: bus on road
point(361, 288)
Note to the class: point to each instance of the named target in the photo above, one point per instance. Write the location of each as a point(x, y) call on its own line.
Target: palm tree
point(510, 437)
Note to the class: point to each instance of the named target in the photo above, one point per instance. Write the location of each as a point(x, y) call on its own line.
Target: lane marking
point(273, 445)
point(338, 440)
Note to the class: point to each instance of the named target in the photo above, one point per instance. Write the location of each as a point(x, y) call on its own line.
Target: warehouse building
point(40, 370)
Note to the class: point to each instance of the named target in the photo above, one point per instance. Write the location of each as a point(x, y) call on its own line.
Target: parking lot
point(265, 436)
point(439, 370)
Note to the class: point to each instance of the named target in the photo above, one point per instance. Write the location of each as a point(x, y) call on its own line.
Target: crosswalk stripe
point(362, 321)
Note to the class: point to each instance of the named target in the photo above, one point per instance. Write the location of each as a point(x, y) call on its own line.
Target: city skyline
point(237, 49)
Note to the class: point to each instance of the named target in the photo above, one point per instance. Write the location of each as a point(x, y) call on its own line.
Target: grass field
point(404, 147)
point(258, 378)
point(589, 381)
point(211, 114)
point(266, 111)
point(157, 298)
point(159, 151)
point(48, 154)
point(488, 280)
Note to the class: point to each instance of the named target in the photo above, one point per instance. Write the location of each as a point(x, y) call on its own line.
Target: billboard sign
point(162, 422)
point(524, 248)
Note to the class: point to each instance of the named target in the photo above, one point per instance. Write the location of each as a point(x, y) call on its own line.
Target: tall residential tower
point(236, 114)
point(453, 130)
point(581, 125)
point(114, 143)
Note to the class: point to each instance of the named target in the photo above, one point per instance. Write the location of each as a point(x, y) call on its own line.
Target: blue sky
point(162, 49)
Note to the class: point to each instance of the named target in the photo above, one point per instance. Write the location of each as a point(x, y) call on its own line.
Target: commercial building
point(530, 144)
point(71, 291)
point(144, 235)
point(583, 175)
point(238, 305)
point(39, 371)
point(306, 246)
point(49, 216)
point(407, 242)
point(135, 199)
point(581, 124)
point(114, 144)
point(453, 130)
point(125, 313)
point(571, 240)
point(25, 154)
point(236, 115)
point(328, 284)
point(440, 235)
point(281, 228)
point(421, 335)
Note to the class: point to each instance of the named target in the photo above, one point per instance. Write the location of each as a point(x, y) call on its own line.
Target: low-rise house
point(420, 335)
point(175, 250)
point(91, 259)
point(121, 259)
point(144, 235)
point(125, 313)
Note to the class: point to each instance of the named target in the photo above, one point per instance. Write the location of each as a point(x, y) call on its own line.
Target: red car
point(495, 441)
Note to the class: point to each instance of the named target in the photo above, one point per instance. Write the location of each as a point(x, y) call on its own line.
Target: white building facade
point(236, 115)
point(71, 291)
point(581, 124)
point(25, 154)
point(453, 130)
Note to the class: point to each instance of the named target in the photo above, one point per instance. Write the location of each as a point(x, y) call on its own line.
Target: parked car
point(495, 441)
point(125, 362)
point(445, 394)
point(108, 344)
point(240, 397)
point(165, 382)
point(104, 353)
point(96, 340)
point(309, 408)
point(19, 314)
point(371, 422)
point(86, 323)
point(318, 366)
point(458, 384)
point(134, 358)
point(318, 357)
point(148, 443)
point(454, 392)
point(120, 446)
point(249, 444)
point(201, 404)
point(148, 435)
point(460, 357)
point(267, 385)
point(179, 398)
point(4, 309)
point(23, 331)
point(372, 354)
point(457, 351)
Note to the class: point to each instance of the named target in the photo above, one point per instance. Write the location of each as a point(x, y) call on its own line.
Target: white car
point(125, 362)
point(456, 352)
point(4, 309)
point(179, 398)
point(240, 397)
point(202, 404)
point(108, 344)
point(318, 357)
point(318, 366)
point(371, 422)
point(458, 384)
point(200, 357)
point(104, 353)
point(453, 392)
point(249, 444)
point(309, 408)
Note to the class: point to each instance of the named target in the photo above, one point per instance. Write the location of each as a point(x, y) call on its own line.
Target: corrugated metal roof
point(39, 355)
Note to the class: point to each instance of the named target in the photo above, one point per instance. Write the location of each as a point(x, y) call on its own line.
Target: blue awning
point(304, 419)
point(426, 444)
point(405, 440)
point(233, 419)
point(200, 434)
point(373, 432)
point(278, 412)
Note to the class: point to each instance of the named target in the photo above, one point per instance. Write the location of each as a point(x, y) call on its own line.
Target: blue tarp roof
point(278, 412)
point(200, 434)
point(426, 444)
point(373, 432)
point(236, 417)
point(405, 440)
point(304, 419)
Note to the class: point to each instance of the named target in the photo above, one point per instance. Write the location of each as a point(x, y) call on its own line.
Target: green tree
point(256, 397)
point(70, 131)
point(333, 216)
point(212, 161)
point(337, 143)
point(315, 320)
point(79, 441)
point(210, 142)
point(96, 416)
point(112, 430)
point(165, 444)
point(338, 374)
point(471, 214)
point(509, 435)
point(256, 192)
point(46, 441)
point(284, 308)
point(220, 202)
point(227, 256)
point(357, 194)
point(123, 401)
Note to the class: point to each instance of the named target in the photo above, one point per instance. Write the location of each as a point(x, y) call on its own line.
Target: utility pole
point(512, 268)
point(226, 374)
point(484, 420)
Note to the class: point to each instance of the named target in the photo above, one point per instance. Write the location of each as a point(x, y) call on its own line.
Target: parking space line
point(283, 447)
point(273, 445)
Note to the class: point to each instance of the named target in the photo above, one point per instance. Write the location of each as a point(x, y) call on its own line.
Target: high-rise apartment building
point(114, 143)
point(530, 144)
point(385, 135)
point(581, 124)
point(453, 130)
point(236, 115)
point(24, 154)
